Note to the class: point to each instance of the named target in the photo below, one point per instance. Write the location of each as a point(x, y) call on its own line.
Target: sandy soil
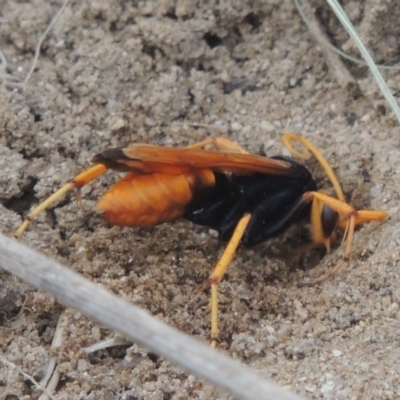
point(173, 73)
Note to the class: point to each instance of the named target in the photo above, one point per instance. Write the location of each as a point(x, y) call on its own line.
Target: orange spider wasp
point(246, 198)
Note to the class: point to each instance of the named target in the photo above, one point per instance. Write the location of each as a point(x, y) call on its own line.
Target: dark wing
point(143, 159)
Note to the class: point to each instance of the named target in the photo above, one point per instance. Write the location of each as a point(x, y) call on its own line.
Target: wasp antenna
point(292, 137)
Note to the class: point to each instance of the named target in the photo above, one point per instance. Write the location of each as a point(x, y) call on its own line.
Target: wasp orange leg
point(219, 271)
point(352, 216)
point(76, 183)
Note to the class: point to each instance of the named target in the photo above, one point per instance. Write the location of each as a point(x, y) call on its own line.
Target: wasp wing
point(144, 159)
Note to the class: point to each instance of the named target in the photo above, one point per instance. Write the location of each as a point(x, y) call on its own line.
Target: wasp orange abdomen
point(151, 199)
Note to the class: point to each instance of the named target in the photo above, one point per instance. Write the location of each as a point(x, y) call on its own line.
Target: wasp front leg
point(327, 213)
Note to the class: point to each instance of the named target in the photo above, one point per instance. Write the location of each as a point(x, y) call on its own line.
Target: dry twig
point(342, 74)
point(26, 376)
point(52, 376)
point(97, 303)
point(41, 39)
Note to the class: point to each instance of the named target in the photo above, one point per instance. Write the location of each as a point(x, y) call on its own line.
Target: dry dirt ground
point(173, 73)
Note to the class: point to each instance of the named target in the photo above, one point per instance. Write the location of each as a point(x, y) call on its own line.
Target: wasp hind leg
point(348, 219)
point(76, 183)
point(219, 271)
